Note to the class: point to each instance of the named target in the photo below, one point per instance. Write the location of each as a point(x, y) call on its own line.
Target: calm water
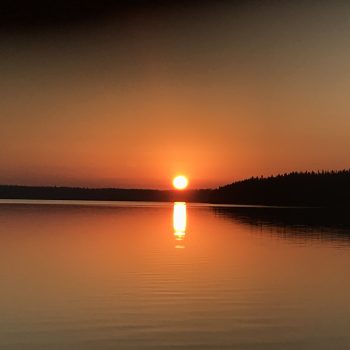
point(155, 276)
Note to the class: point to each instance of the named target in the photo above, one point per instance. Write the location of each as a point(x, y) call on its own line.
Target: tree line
point(321, 188)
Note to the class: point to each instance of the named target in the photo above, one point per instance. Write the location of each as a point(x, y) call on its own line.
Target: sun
point(180, 182)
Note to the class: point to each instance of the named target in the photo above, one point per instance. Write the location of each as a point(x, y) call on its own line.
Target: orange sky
point(219, 94)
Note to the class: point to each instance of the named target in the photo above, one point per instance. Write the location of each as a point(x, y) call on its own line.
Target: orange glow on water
point(179, 220)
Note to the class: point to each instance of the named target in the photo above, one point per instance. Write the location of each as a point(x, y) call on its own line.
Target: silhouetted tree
point(322, 188)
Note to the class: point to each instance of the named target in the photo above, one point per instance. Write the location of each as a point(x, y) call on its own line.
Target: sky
point(131, 93)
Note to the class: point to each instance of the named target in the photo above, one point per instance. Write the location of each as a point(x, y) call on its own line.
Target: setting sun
point(180, 182)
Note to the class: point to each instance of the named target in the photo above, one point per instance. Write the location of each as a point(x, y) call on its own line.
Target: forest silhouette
point(323, 188)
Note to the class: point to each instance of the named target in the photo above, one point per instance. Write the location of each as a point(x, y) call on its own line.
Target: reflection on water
point(179, 222)
point(107, 276)
point(293, 223)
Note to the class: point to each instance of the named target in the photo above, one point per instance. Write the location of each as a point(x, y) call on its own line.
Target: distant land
point(322, 188)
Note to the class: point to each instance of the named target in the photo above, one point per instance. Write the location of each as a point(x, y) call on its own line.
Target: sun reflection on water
point(179, 222)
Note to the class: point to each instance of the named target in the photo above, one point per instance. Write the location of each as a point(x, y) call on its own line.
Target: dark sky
point(64, 13)
point(130, 93)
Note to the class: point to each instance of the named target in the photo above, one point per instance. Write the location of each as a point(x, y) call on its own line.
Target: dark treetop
point(326, 188)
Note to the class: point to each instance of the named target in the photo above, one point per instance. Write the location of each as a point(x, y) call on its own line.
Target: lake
point(104, 275)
